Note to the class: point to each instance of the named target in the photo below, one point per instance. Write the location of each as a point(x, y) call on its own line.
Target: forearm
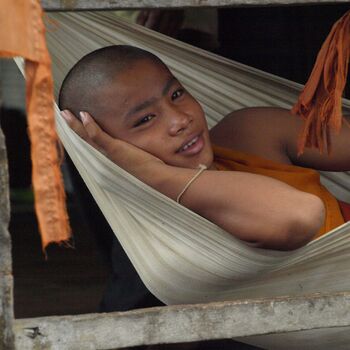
point(252, 207)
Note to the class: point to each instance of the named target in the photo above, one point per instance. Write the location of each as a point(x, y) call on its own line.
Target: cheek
point(153, 143)
point(196, 109)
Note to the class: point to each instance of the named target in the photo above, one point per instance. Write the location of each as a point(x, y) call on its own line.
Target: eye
point(144, 120)
point(178, 93)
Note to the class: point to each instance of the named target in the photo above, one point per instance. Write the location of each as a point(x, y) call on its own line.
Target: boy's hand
point(129, 157)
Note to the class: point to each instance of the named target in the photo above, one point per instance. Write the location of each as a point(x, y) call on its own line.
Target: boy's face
point(147, 107)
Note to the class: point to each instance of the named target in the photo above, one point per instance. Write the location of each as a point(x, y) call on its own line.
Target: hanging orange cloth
point(320, 102)
point(304, 179)
point(23, 34)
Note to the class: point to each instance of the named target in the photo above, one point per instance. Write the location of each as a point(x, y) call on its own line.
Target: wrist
point(170, 180)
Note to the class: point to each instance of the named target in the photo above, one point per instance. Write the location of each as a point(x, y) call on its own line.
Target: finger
point(74, 123)
point(117, 150)
point(126, 155)
point(105, 143)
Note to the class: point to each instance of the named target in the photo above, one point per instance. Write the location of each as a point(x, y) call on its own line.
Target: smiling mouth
point(188, 144)
point(194, 146)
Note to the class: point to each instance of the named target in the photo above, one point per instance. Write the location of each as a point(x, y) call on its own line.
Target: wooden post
point(6, 279)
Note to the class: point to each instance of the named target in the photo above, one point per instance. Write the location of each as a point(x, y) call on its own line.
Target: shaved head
point(83, 86)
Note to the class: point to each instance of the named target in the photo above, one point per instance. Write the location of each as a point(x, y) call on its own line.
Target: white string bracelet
point(201, 167)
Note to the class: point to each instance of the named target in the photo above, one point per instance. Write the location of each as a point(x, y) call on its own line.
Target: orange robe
point(304, 179)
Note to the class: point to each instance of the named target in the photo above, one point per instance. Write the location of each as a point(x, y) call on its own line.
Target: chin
point(208, 162)
point(205, 159)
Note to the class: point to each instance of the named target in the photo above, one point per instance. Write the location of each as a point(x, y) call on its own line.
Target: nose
point(179, 121)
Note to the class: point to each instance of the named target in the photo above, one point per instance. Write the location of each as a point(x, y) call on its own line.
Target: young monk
point(139, 115)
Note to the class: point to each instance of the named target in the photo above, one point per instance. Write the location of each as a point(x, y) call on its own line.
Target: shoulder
point(263, 131)
point(255, 119)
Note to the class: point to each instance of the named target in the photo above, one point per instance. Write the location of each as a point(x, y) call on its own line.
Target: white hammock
point(180, 256)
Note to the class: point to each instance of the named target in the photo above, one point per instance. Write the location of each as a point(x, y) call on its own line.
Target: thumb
point(100, 138)
point(90, 125)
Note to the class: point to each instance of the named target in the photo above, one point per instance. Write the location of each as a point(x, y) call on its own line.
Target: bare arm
point(273, 133)
point(337, 160)
point(253, 208)
point(256, 208)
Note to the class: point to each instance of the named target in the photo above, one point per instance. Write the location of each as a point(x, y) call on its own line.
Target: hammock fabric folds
point(319, 104)
point(180, 256)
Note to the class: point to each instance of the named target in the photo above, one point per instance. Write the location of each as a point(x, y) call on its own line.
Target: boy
point(147, 123)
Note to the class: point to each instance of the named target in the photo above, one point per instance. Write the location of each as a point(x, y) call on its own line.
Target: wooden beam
point(6, 279)
point(89, 5)
point(191, 323)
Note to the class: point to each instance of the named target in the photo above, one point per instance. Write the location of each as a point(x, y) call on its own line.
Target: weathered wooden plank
point(186, 323)
point(79, 5)
point(6, 280)
point(336, 338)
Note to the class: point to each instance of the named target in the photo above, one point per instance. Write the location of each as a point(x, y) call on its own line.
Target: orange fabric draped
point(320, 103)
point(23, 34)
point(307, 180)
